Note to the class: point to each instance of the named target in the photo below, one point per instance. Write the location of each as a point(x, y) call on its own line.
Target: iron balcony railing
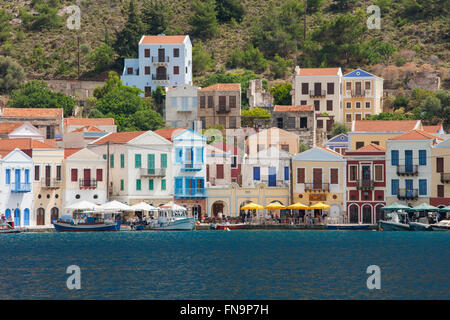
point(190, 193)
point(191, 166)
point(407, 170)
point(48, 183)
point(21, 187)
point(404, 194)
point(317, 93)
point(365, 184)
point(161, 172)
point(445, 177)
point(88, 183)
point(165, 59)
point(317, 186)
point(358, 93)
point(223, 110)
point(160, 77)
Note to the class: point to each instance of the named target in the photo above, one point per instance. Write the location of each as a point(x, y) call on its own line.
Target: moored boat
point(347, 226)
point(443, 225)
point(418, 226)
point(398, 222)
point(94, 226)
point(174, 224)
point(6, 227)
point(229, 226)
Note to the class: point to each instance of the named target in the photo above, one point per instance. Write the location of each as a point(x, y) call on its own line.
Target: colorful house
point(440, 174)
point(366, 184)
point(273, 137)
point(338, 143)
point(235, 158)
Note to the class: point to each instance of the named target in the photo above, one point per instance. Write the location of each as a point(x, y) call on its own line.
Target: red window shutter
point(74, 175)
point(439, 165)
point(334, 176)
point(300, 175)
point(207, 172)
point(220, 171)
point(99, 174)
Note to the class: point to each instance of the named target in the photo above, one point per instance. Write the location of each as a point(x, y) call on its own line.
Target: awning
point(318, 206)
point(252, 206)
point(396, 206)
point(275, 206)
point(424, 207)
point(298, 206)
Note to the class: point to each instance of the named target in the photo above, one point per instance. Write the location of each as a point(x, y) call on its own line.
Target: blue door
point(272, 177)
point(408, 161)
point(26, 217)
point(17, 218)
point(409, 188)
point(7, 214)
point(17, 182)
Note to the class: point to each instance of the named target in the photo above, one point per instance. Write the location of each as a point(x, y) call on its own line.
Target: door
point(272, 177)
point(17, 218)
point(367, 214)
point(47, 175)
point(87, 177)
point(317, 179)
point(40, 217)
point(161, 73)
point(151, 164)
point(358, 88)
point(317, 89)
point(365, 176)
point(17, 181)
point(54, 214)
point(161, 54)
point(354, 214)
point(409, 188)
point(26, 217)
point(408, 161)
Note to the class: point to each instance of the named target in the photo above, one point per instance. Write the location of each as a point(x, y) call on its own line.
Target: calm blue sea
point(225, 265)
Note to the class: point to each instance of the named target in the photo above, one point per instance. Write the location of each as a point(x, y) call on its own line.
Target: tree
point(156, 16)
point(45, 18)
point(251, 58)
point(11, 75)
point(101, 57)
point(5, 26)
point(201, 59)
point(339, 128)
point(401, 101)
point(282, 94)
point(249, 115)
point(148, 119)
point(159, 97)
point(229, 9)
point(280, 66)
point(204, 20)
point(126, 44)
point(111, 83)
point(36, 94)
point(314, 5)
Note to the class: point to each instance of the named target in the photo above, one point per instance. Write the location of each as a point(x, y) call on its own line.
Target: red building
point(366, 183)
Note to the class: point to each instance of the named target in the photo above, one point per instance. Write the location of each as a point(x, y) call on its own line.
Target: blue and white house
point(338, 143)
point(16, 195)
point(164, 61)
point(189, 171)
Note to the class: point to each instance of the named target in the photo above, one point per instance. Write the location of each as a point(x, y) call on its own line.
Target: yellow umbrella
point(319, 205)
point(252, 206)
point(275, 206)
point(298, 206)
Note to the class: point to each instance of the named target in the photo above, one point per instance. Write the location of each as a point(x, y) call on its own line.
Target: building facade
point(259, 97)
point(20, 130)
point(273, 137)
point(338, 143)
point(440, 174)
point(181, 107)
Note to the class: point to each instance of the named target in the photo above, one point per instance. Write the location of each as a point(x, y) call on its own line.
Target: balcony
point(409, 170)
point(223, 110)
point(325, 187)
point(365, 184)
point(192, 166)
point(445, 177)
point(160, 79)
point(407, 194)
point(153, 172)
point(190, 193)
point(88, 183)
point(21, 187)
point(160, 61)
point(358, 93)
point(48, 183)
point(184, 109)
point(317, 93)
point(276, 183)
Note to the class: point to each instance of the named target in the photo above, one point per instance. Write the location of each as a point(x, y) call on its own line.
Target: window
point(358, 105)
point(375, 142)
point(334, 176)
point(422, 187)
point(303, 122)
point(8, 176)
point(348, 85)
point(163, 184)
point(320, 124)
point(305, 88)
point(329, 105)
point(163, 160)
point(394, 187)
point(137, 161)
point(219, 171)
point(440, 191)
point(122, 185)
point(203, 120)
point(122, 161)
point(286, 173)
point(232, 101)
point(138, 184)
point(151, 184)
point(368, 105)
point(256, 172)
point(260, 147)
point(50, 132)
point(210, 101)
point(58, 173)
point(439, 165)
point(37, 173)
point(379, 172)
point(222, 101)
point(111, 160)
point(74, 175)
point(303, 102)
point(285, 147)
point(234, 160)
point(147, 53)
point(367, 85)
point(291, 123)
point(357, 116)
point(317, 105)
point(330, 88)
point(348, 117)
point(176, 70)
point(176, 52)
point(186, 70)
point(99, 175)
point(353, 173)
point(232, 123)
point(422, 157)
point(394, 157)
point(359, 144)
point(202, 102)
point(129, 70)
point(147, 70)
point(348, 105)
point(300, 175)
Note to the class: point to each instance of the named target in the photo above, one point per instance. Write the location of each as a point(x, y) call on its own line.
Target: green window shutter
point(104, 156)
point(151, 163)
point(111, 162)
point(150, 184)
point(122, 185)
point(163, 160)
point(138, 184)
point(122, 161)
point(137, 160)
point(163, 184)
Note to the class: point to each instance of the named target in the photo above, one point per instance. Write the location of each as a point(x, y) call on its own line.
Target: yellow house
point(365, 132)
point(273, 137)
point(319, 176)
point(440, 174)
point(362, 95)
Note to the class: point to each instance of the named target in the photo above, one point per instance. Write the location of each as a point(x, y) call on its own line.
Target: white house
point(181, 106)
point(140, 166)
point(164, 61)
point(20, 130)
point(16, 193)
point(409, 167)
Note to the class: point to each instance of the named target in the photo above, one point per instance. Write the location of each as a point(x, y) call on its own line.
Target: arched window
point(26, 217)
point(379, 214)
point(40, 217)
point(17, 217)
point(367, 214)
point(354, 213)
point(54, 214)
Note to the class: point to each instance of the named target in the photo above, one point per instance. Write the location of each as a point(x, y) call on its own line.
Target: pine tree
point(156, 16)
point(204, 21)
point(126, 45)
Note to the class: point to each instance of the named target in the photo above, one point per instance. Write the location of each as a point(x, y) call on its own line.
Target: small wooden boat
point(443, 225)
point(347, 226)
point(229, 226)
point(100, 226)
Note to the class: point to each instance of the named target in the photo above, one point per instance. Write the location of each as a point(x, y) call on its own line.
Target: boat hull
point(393, 226)
point(10, 231)
point(439, 228)
point(229, 226)
point(350, 226)
point(66, 227)
point(417, 226)
point(185, 224)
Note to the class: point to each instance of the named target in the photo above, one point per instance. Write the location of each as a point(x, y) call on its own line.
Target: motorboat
point(84, 222)
point(443, 225)
point(347, 226)
point(227, 226)
point(8, 227)
point(398, 221)
point(419, 226)
point(172, 217)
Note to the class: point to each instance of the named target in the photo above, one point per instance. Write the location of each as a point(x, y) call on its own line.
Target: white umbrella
point(83, 205)
point(116, 206)
point(143, 206)
point(172, 206)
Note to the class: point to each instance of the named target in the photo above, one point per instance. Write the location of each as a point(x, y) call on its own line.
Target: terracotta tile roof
point(293, 108)
point(8, 127)
point(50, 142)
point(88, 121)
point(23, 144)
point(372, 147)
point(70, 151)
point(4, 153)
point(384, 125)
point(169, 133)
point(433, 129)
point(318, 71)
point(120, 137)
point(416, 135)
point(163, 39)
point(33, 112)
point(223, 87)
point(88, 129)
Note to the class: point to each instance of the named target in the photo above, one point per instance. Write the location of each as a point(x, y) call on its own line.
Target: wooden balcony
point(445, 177)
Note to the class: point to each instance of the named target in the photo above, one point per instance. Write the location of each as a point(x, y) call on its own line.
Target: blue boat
point(86, 224)
point(347, 226)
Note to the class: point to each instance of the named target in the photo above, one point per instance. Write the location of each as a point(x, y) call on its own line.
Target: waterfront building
point(20, 130)
point(189, 171)
point(319, 176)
point(220, 104)
point(273, 137)
point(236, 156)
point(440, 174)
point(365, 132)
point(181, 106)
point(140, 166)
point(299, 120)
point(218, 167)
point(16, 196)
point(366, 184)
point(84, 177)
point(409, 167)
point(362, 95)
point(164, 61)
point(338, 143)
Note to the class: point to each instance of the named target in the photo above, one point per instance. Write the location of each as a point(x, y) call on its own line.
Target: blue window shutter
point(394, 187)
point(422, 157)
point(199, 155)
point(256, 173)
point(286, 173)
point(394, 157)
point(422, 187)
point(27, 175)
point(178, 155)
point(8, 176)
point(178, 185)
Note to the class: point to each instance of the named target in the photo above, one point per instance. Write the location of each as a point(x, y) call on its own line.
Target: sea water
point(225, 265)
